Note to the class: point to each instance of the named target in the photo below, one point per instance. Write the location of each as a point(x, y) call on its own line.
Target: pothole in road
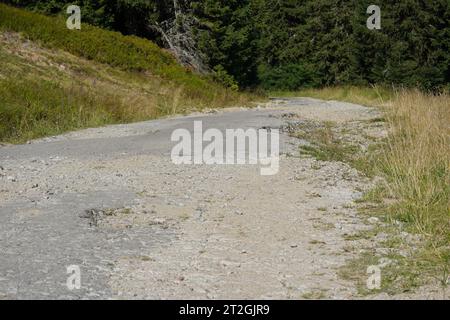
point(123, 218)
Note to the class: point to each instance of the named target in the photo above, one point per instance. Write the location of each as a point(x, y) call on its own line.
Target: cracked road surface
point(166, 231)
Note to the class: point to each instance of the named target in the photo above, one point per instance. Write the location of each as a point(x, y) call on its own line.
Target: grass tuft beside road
point(414, 162)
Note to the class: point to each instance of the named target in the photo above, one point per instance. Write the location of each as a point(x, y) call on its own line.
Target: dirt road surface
point(110, 201)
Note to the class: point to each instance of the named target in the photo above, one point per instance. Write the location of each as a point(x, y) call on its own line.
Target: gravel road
point(110, 201)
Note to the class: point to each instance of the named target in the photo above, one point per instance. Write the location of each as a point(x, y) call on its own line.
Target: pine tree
point(291, 43)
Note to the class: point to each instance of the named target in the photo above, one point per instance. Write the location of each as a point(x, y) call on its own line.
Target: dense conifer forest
point(288, 44)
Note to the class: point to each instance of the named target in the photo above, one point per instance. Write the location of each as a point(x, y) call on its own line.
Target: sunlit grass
point(369, 96)
point(414, 162)
point(53, 80)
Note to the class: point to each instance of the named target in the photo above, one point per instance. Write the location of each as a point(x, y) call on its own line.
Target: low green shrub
point(129, 53)
point(286, 77)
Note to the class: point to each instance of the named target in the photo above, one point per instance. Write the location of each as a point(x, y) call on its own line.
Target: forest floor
point(111, 201)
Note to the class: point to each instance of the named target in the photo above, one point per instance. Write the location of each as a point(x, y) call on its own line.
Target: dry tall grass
point(46, 92)
point(415, 164)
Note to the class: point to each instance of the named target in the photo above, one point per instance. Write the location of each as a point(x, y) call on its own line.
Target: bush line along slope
point(53, 79)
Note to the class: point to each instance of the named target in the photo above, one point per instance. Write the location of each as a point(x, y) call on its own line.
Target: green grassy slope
point(53, 79)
